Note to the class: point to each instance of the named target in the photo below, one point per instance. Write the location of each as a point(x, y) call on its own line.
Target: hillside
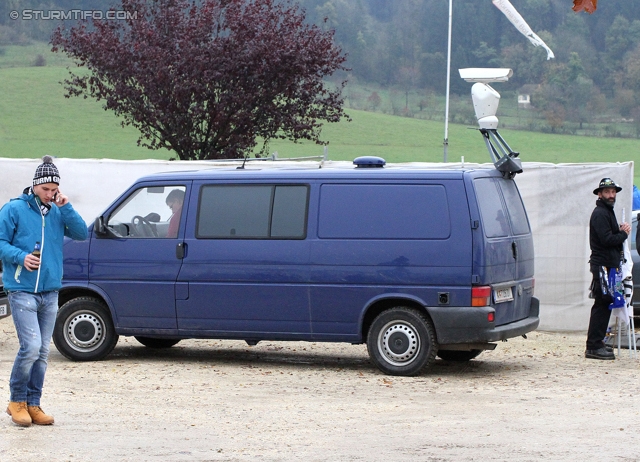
point(36, 119)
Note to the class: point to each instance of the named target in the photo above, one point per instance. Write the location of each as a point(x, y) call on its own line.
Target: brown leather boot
point(38, 416)
point(19, 413)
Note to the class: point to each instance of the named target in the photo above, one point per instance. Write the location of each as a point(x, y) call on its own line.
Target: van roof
point(309, 173)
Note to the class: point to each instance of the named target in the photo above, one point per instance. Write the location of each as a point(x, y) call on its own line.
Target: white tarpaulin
point(558, 198)
point(559, 201)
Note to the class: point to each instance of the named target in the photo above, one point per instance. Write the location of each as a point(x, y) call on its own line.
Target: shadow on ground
point(302, 356)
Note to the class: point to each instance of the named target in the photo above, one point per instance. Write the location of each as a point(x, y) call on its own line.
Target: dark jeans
point(600, 314)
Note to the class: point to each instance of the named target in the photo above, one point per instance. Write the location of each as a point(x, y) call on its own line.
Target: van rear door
point(503, 248)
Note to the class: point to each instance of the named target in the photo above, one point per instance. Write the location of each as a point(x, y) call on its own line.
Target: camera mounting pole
point(485, 104)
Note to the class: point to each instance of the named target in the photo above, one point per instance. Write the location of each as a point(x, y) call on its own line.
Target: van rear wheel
point(458, 355)
point(401, 341)
point(84, 330)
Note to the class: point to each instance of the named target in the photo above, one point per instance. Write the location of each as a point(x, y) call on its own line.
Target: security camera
point(485, 75)
point(485, 98)
point(485, 104)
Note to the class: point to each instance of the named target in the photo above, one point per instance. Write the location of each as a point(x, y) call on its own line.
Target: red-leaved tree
point(587, 5)
point(208, 78)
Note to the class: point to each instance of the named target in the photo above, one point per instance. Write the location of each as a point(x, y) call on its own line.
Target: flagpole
point(446, 109)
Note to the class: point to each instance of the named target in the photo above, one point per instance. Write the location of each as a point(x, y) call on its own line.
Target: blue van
point(416, 263)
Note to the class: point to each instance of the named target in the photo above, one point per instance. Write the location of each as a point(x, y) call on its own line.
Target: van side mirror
point(103, 231)
point(99, 228)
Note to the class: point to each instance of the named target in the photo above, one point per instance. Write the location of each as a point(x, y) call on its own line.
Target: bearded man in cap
point(605, 238)
point(32, 230)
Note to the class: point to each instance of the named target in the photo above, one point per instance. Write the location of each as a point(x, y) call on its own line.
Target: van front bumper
point(461, 325)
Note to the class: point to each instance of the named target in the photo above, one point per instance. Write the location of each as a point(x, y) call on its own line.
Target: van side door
point(134, 264)
point(246, 261)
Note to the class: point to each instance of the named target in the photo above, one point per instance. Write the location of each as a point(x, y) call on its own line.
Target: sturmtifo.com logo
point(48, 15)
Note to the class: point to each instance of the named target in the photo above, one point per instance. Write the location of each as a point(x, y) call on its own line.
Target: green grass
point(36, 119)
point(400, 139)
point(25, 55)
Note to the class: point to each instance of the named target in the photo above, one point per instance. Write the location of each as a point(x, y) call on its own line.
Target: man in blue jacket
point(32, 230)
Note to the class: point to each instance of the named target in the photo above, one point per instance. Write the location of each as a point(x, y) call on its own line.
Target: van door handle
point(514, 250)
point(181, 250)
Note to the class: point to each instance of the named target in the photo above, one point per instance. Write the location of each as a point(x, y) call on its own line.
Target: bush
point(40, 61)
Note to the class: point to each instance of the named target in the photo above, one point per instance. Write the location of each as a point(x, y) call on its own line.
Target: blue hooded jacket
point(22, 224)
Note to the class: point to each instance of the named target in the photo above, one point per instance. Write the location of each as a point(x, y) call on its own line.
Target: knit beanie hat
point(46, 172)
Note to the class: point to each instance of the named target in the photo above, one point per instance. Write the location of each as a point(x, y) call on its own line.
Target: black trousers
point(600, 313)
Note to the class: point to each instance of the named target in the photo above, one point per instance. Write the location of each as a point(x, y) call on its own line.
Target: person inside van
point(174, 201)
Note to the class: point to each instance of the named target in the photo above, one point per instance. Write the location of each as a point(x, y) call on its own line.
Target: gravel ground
point(206, 400)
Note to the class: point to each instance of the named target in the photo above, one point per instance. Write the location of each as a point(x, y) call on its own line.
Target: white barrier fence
point(558, 197)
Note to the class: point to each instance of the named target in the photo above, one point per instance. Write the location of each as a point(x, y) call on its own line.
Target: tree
point(555, 115)
point(208, 78)
point(407, 79)
point(587, 5)
point(374, 100)
point(620, 37)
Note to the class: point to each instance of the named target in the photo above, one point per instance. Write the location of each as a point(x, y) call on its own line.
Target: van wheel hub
point(399, 343)
point(84, 331)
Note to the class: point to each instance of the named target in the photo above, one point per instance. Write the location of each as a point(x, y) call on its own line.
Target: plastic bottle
point(36, 250)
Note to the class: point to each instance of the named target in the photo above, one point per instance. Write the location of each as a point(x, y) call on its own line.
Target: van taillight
point(481, 296)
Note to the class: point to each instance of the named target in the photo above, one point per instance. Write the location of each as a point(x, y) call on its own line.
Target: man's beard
point(611, 201)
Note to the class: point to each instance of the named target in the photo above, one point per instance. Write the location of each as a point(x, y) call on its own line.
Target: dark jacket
point(638, 233)
point(605, 236)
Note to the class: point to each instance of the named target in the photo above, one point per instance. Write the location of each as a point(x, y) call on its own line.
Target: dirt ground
point(206, 400)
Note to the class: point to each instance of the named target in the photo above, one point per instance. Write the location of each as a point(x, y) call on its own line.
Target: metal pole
point(446, 107)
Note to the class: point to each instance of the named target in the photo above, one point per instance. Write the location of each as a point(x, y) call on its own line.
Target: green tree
point(487, 55)
point(631, 70)
point(618, 39)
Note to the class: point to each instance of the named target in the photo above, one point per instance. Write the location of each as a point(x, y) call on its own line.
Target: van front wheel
point(84, 330)
point(401, 341)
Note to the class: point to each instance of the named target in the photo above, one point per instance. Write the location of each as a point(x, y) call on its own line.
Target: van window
point(289, 212)
point(383, 211)
point(493, 217)
point(150, 212)
point(252, 212)
point(515, 208)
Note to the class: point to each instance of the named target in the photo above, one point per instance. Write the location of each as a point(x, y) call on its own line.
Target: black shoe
point(609, 348)
point(600, 353)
